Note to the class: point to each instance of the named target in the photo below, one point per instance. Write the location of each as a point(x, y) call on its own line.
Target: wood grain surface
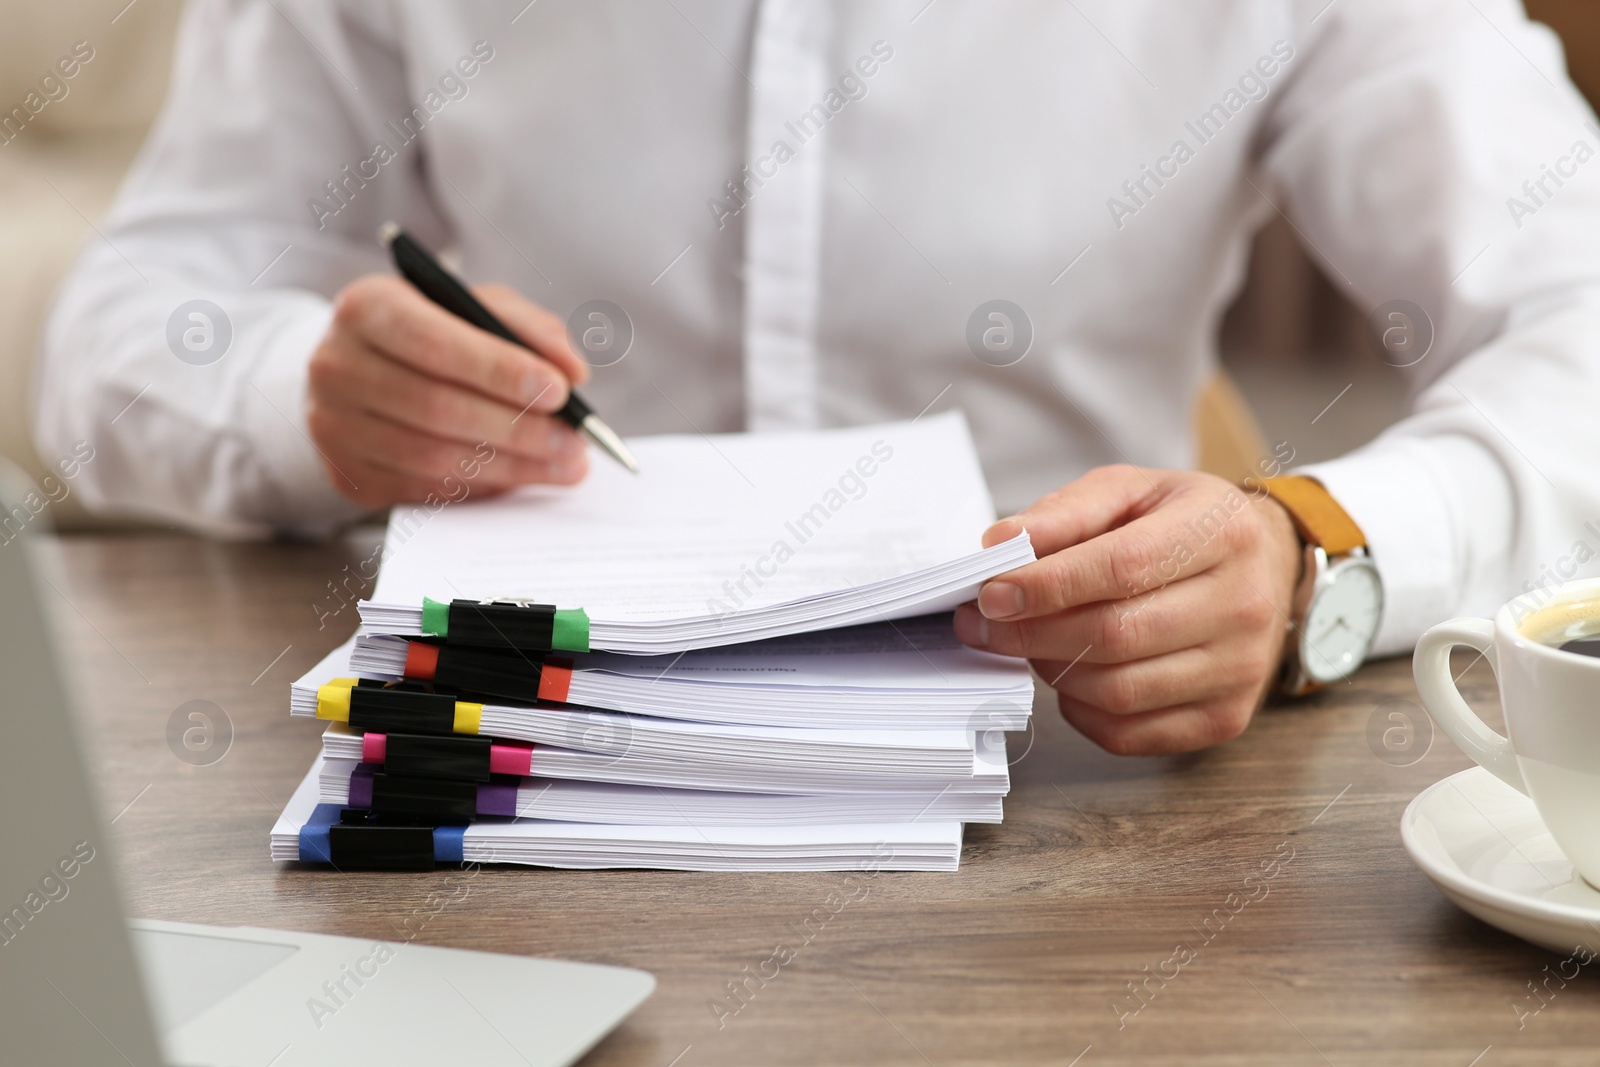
point(1102, 867)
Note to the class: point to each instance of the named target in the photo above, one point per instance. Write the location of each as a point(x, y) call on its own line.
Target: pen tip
point(388, 232)
point(620, 450)
point(607, 439)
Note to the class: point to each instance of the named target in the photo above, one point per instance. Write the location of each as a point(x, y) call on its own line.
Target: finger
point(377, 487)
point(539, 328)
point(1190, 676)
point(1164, 732)
point(1177, 616)
point(395, 318)
point(1100, 500)
point(509, 472)
point(565, 470)
point(403, 450)
point(1185, 537)
point(362, 377)
point(391, 488)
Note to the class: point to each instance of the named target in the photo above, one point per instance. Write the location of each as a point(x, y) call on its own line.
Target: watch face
point(1342, 620)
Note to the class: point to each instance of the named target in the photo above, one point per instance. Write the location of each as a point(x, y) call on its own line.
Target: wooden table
point(1102, 867)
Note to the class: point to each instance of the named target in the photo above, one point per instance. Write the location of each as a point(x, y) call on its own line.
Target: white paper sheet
point(911, 674)
point(609, 802)
point(906, 846)
point(837, 527)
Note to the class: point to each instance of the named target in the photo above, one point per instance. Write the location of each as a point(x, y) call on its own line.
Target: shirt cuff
point(275, 415)
point(1408, 496)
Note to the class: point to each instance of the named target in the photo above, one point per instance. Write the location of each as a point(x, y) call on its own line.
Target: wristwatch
point(1339, 602)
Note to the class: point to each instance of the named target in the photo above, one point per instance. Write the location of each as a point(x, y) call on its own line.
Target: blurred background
point(1290, 344)
point(1292, 341)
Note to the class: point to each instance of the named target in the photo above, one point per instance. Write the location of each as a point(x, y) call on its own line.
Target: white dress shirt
point(1100, 164)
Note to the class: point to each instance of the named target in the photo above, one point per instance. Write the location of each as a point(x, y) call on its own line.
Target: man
point(802, 213)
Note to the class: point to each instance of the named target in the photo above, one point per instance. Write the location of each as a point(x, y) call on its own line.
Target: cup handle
point(1430, 666)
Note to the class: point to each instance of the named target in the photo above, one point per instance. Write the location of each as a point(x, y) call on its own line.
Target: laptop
point(80, 985)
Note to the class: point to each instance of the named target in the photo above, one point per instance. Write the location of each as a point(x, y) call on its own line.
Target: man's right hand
point(404, 395)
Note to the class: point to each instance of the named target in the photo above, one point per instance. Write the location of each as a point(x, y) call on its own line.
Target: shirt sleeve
point(176, 353)
point(1435, 153)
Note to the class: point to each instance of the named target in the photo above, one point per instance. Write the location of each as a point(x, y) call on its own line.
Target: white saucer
point(1483, 843)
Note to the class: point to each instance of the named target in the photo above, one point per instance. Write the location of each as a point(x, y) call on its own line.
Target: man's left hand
point(1158, 608)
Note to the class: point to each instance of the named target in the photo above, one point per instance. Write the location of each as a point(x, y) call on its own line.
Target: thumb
point(1101, 500)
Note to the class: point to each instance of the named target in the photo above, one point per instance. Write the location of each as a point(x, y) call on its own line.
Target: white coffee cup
point(1551, 701)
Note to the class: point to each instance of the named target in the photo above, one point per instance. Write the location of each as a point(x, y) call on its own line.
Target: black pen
point(443, 288)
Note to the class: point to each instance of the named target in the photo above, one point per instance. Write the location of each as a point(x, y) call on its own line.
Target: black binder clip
point(432, 799)
point(364, 844)
point(507, 624)
point(457, 758)
point(392, 709)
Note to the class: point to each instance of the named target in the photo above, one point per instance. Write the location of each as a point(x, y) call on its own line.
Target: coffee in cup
point(1538, 646)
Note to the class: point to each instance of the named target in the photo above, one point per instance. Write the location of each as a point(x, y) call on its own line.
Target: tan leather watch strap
point(1317, 516)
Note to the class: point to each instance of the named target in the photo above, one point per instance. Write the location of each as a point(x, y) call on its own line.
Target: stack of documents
point(911, 674)
point(740, 659)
